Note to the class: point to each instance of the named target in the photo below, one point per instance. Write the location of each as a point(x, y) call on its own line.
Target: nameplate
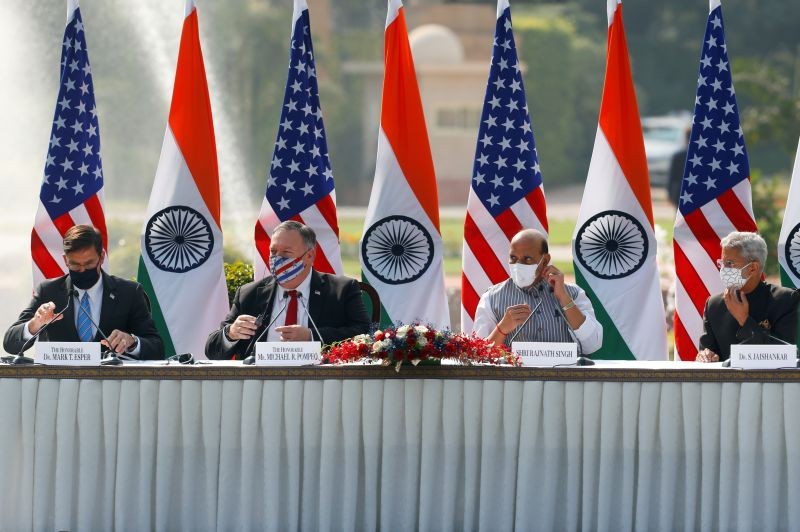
point(767, 356)
point(288, 353)
point(68, 353)
point(545, 353)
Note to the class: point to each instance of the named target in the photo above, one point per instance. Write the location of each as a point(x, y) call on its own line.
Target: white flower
point(377, 347)
point(422, 341)
point(421, 329)
point(361, 339)
point(401, 331)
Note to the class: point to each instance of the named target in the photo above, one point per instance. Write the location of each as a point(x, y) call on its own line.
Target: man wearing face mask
point(293, 292)
point(749, 310)
point(536, 286)
point(118, 306)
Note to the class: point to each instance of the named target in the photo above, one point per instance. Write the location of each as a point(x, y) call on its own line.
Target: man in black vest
point(293, 293)
point(118, 307)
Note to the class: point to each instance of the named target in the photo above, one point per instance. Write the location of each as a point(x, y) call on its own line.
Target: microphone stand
point(582, 360)
point(111, 356)
point(521, 325)
point(21, 359)
point(321, 340)
point(251, 359)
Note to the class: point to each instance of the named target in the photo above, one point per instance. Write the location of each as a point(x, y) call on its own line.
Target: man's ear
point(545, 260)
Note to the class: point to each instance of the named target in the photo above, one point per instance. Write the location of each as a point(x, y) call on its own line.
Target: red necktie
point(291, 308)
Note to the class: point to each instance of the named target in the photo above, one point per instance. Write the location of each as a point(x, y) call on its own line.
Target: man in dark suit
point(293, 293)
point(114, 304)
point(749, 310)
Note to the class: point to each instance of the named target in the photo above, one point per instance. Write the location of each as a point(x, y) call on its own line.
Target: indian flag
point(181, 264)
point(401, 248)
point(789, 241)
point(614, 243)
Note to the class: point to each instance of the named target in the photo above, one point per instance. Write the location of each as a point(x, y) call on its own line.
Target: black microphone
point(251, 359)
point(20, 359)
point(300, 297)
point(111, 358)
point(582, 360)
point(521, 325)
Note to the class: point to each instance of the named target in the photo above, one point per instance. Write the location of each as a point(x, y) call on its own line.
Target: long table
point(616, 446)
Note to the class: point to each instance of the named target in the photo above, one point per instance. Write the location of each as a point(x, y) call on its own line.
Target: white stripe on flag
point(326, 238)
point(692, 320)
point(497, 240)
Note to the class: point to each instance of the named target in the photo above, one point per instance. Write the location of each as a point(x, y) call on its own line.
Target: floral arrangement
point(416, 343)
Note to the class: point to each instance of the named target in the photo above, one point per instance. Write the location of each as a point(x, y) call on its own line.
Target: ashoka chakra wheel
point(178, 239)
point(792, 250)
point(397, 249)
point(611, 245)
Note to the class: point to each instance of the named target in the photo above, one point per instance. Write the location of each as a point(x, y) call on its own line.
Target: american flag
point(715, 191)
point(506, 193)
point(300, 182)
point(72, 188)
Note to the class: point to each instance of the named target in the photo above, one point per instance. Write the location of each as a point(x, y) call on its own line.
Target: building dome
point(435, 44)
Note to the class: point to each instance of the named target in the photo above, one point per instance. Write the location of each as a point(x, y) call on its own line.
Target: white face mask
point(523, 274)
point(732, 277)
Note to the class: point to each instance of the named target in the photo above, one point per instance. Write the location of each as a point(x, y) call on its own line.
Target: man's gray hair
point(751, 246)
point(309, 237)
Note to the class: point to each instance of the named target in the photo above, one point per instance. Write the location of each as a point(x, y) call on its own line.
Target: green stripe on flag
point(386, 321)
point(614, 346)
point(155, 310)
point(786, 281)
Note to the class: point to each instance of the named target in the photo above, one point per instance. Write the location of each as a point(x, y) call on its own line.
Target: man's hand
point(119, 341)
point(294, 333)
point(514, 317)
point(707, 355)
point(243, 328)
point(555, 278)
point(739, 309)
point(43, 314)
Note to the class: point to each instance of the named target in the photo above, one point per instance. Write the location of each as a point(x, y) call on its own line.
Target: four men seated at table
point(301, 304)
point(295, 297)
point(117, 306)
point(561, 311)
point(749, 310)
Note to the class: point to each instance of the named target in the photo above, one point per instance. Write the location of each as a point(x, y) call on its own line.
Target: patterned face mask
point(732, 277)
point(286, 268)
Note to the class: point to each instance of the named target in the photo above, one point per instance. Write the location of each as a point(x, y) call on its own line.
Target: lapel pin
point(317, 292)
point(112, 296)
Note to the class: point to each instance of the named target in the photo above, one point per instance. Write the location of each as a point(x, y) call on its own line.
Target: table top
point(603, 371)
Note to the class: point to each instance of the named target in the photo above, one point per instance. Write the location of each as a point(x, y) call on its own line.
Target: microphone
point(251, 359)
point(582, 360)
point(21, 359)
point(300, 297)
point(521, 325)
point(111, 358)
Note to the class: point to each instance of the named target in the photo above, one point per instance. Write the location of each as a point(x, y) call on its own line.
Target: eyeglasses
point(183, 358)
point(729, 264)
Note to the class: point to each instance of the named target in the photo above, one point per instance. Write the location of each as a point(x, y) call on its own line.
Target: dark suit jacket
point(773, 311)
point(125, 307)
point(335, 305)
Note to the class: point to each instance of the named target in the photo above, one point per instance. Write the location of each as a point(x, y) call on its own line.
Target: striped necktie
point(84, 323)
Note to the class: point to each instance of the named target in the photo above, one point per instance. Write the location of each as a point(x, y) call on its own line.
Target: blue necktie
point(84, 324)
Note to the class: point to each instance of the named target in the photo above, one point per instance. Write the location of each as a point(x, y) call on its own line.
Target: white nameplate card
point(545, 353)
point(768, 356)
point(288, 353)
point(68, 353)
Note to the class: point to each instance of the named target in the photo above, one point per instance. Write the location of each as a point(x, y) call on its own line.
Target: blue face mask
point(284, 269)
point(85, 279)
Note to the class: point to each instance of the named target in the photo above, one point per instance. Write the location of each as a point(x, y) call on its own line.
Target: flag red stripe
point(469, 297)
point(483, 252)
point(685, 348)
point(536, 200)
point(690, 279)
point(63, 223)
point(327, 208)
point(704, 234)
point(95, 210)
point(43, 259)
point(508, 223)
point(736, 212)
point(262, 242)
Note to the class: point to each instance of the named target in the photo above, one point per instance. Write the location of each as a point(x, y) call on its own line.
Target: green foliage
point(237, 274)
point(767, 200)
